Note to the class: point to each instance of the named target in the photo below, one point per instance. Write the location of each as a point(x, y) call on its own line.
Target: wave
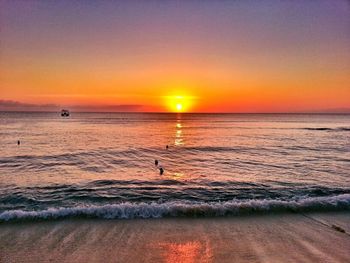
point(328, 129)
point(182, 209)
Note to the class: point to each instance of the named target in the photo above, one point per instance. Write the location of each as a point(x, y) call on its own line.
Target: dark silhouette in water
point(18, 142)
point(156, 162)
point(167, 147)
point(65, 113)
point(161, 170)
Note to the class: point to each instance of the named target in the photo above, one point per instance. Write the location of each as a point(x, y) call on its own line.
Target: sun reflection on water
point(177, 175)
point(179, 141)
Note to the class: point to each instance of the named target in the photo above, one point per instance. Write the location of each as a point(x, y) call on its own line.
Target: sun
point(179, 103)
point(179, 107)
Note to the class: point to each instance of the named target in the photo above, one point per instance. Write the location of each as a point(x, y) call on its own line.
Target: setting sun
point(177, 103)
point(179, 107)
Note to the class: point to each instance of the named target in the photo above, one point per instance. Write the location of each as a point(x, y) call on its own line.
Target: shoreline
point(309, 237)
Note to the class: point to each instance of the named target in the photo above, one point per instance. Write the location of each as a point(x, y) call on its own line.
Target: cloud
point(9, 105)
point(106, 108)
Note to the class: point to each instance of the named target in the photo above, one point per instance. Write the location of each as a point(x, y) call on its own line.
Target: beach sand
point(268, 238)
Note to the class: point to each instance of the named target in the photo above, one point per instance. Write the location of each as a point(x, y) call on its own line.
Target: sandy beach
point(174, 131)
point(321, 237)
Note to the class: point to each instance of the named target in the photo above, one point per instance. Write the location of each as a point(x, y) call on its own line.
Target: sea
point(102, 165)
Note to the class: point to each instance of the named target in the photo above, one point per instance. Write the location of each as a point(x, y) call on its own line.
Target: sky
point(193, 56)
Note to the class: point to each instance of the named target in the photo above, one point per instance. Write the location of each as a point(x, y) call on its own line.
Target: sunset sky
point(206, 56)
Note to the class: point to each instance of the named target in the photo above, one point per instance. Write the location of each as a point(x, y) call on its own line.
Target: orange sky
point(221, 57)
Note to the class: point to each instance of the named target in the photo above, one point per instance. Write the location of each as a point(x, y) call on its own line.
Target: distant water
point(102, 164)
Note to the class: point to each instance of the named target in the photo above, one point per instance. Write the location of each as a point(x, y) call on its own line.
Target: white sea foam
point(178, 209)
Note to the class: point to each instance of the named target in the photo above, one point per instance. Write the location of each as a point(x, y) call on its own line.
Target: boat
point(65, 113)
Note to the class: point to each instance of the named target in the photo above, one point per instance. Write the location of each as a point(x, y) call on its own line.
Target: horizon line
point(165, 112)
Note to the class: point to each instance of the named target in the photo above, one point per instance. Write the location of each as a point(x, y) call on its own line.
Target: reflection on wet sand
point(187, 252)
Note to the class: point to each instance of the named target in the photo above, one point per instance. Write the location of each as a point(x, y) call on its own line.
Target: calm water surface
point(102, 164)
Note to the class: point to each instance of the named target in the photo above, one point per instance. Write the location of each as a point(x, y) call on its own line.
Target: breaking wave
point(183, 209)
point(328, 129)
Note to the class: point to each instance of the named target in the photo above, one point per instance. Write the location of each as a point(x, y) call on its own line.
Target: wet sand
point(272, 238)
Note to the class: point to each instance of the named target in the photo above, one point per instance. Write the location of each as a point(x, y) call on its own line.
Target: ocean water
point(101, 165)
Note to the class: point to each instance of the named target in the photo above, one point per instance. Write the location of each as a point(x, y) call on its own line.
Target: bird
point(18, 142)
point(167, 147)
point(156, 162)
